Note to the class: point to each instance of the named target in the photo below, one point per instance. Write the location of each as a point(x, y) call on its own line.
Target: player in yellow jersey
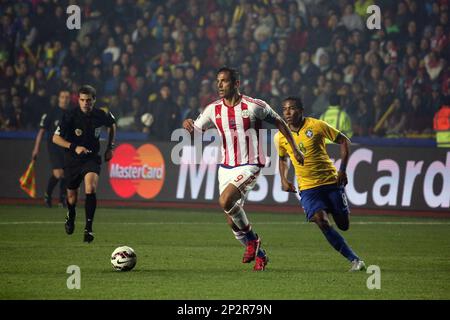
point(321, 187)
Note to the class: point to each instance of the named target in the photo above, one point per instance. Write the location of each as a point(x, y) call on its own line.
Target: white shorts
point(243, 178)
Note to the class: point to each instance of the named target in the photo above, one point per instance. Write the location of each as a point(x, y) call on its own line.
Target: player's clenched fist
point(81, 150)
point(288, 186)
point(188, 124)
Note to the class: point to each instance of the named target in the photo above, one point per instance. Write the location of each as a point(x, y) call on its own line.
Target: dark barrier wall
point(384, 178)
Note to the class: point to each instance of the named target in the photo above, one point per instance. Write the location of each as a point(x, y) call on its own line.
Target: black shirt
point(50, 121)
point(84, 129)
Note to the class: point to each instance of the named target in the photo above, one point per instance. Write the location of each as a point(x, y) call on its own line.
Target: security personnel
point(441, 124)
point(79, 134)
point(337, 118)
point(49, 123)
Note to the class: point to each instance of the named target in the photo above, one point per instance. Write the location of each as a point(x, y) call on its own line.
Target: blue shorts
point(330, 198)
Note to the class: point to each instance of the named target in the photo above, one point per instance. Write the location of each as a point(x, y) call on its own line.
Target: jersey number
point(302, 147)
point(344, 200)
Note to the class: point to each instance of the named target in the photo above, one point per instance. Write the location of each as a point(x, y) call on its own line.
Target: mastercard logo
point(140, 171)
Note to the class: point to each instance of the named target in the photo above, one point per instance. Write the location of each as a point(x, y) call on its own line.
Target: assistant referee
point(49, 122)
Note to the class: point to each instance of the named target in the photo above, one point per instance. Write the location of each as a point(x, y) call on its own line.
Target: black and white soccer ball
point(147, 119)
point(123, 258)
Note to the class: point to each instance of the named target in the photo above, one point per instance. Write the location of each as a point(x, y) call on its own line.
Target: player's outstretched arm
point(285, 131)
point(344, 143)
point(37, 143)
point(286, 185)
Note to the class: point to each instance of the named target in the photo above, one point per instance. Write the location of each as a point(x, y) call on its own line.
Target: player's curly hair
point(297, 101)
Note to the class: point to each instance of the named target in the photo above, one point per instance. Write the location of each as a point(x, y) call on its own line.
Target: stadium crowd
point(160, 57)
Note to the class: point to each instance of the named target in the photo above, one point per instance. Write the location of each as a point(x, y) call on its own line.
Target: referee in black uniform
point(79, 133)
point(49, 123)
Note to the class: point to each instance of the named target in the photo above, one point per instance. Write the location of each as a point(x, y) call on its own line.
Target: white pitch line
point(221, 223)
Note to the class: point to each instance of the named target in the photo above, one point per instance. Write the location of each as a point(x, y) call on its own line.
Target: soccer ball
point(147, 119)
point(123, 258)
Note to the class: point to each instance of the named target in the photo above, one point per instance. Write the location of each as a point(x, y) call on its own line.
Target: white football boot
point(358, 265)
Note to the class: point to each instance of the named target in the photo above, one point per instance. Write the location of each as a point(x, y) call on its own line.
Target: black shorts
point(56, 155)
point(76, 169)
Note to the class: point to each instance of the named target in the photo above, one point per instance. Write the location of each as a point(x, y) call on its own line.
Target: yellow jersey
point(317, 169)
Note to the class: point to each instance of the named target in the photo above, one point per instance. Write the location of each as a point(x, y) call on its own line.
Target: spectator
point(96, 80)
point(124, 95)
point(74, 60)
point(316, 34)
point(395, 124)
point(434, 65)
point(206, 95)
point(362, 119)
point(350, 19)
point(64, 82)
point(112, 83)
point(435, 101)
point(322, 101)
point(28, 34)
point(112, 53)
point(417, 119)
point(165, 110)
point(282, 29)
point(308, 70)
point(193, 110)
point(377, 109)
point(298, 38)
point(264, 30)
point(15, 118)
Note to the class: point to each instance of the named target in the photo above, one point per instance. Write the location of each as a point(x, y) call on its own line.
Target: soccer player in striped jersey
point(321, 186)
point(238, 119)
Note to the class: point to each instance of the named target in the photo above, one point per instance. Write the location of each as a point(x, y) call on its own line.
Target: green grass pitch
point(186, 254)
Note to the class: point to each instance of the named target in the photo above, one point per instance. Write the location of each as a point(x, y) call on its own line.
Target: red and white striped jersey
point(238, 127)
